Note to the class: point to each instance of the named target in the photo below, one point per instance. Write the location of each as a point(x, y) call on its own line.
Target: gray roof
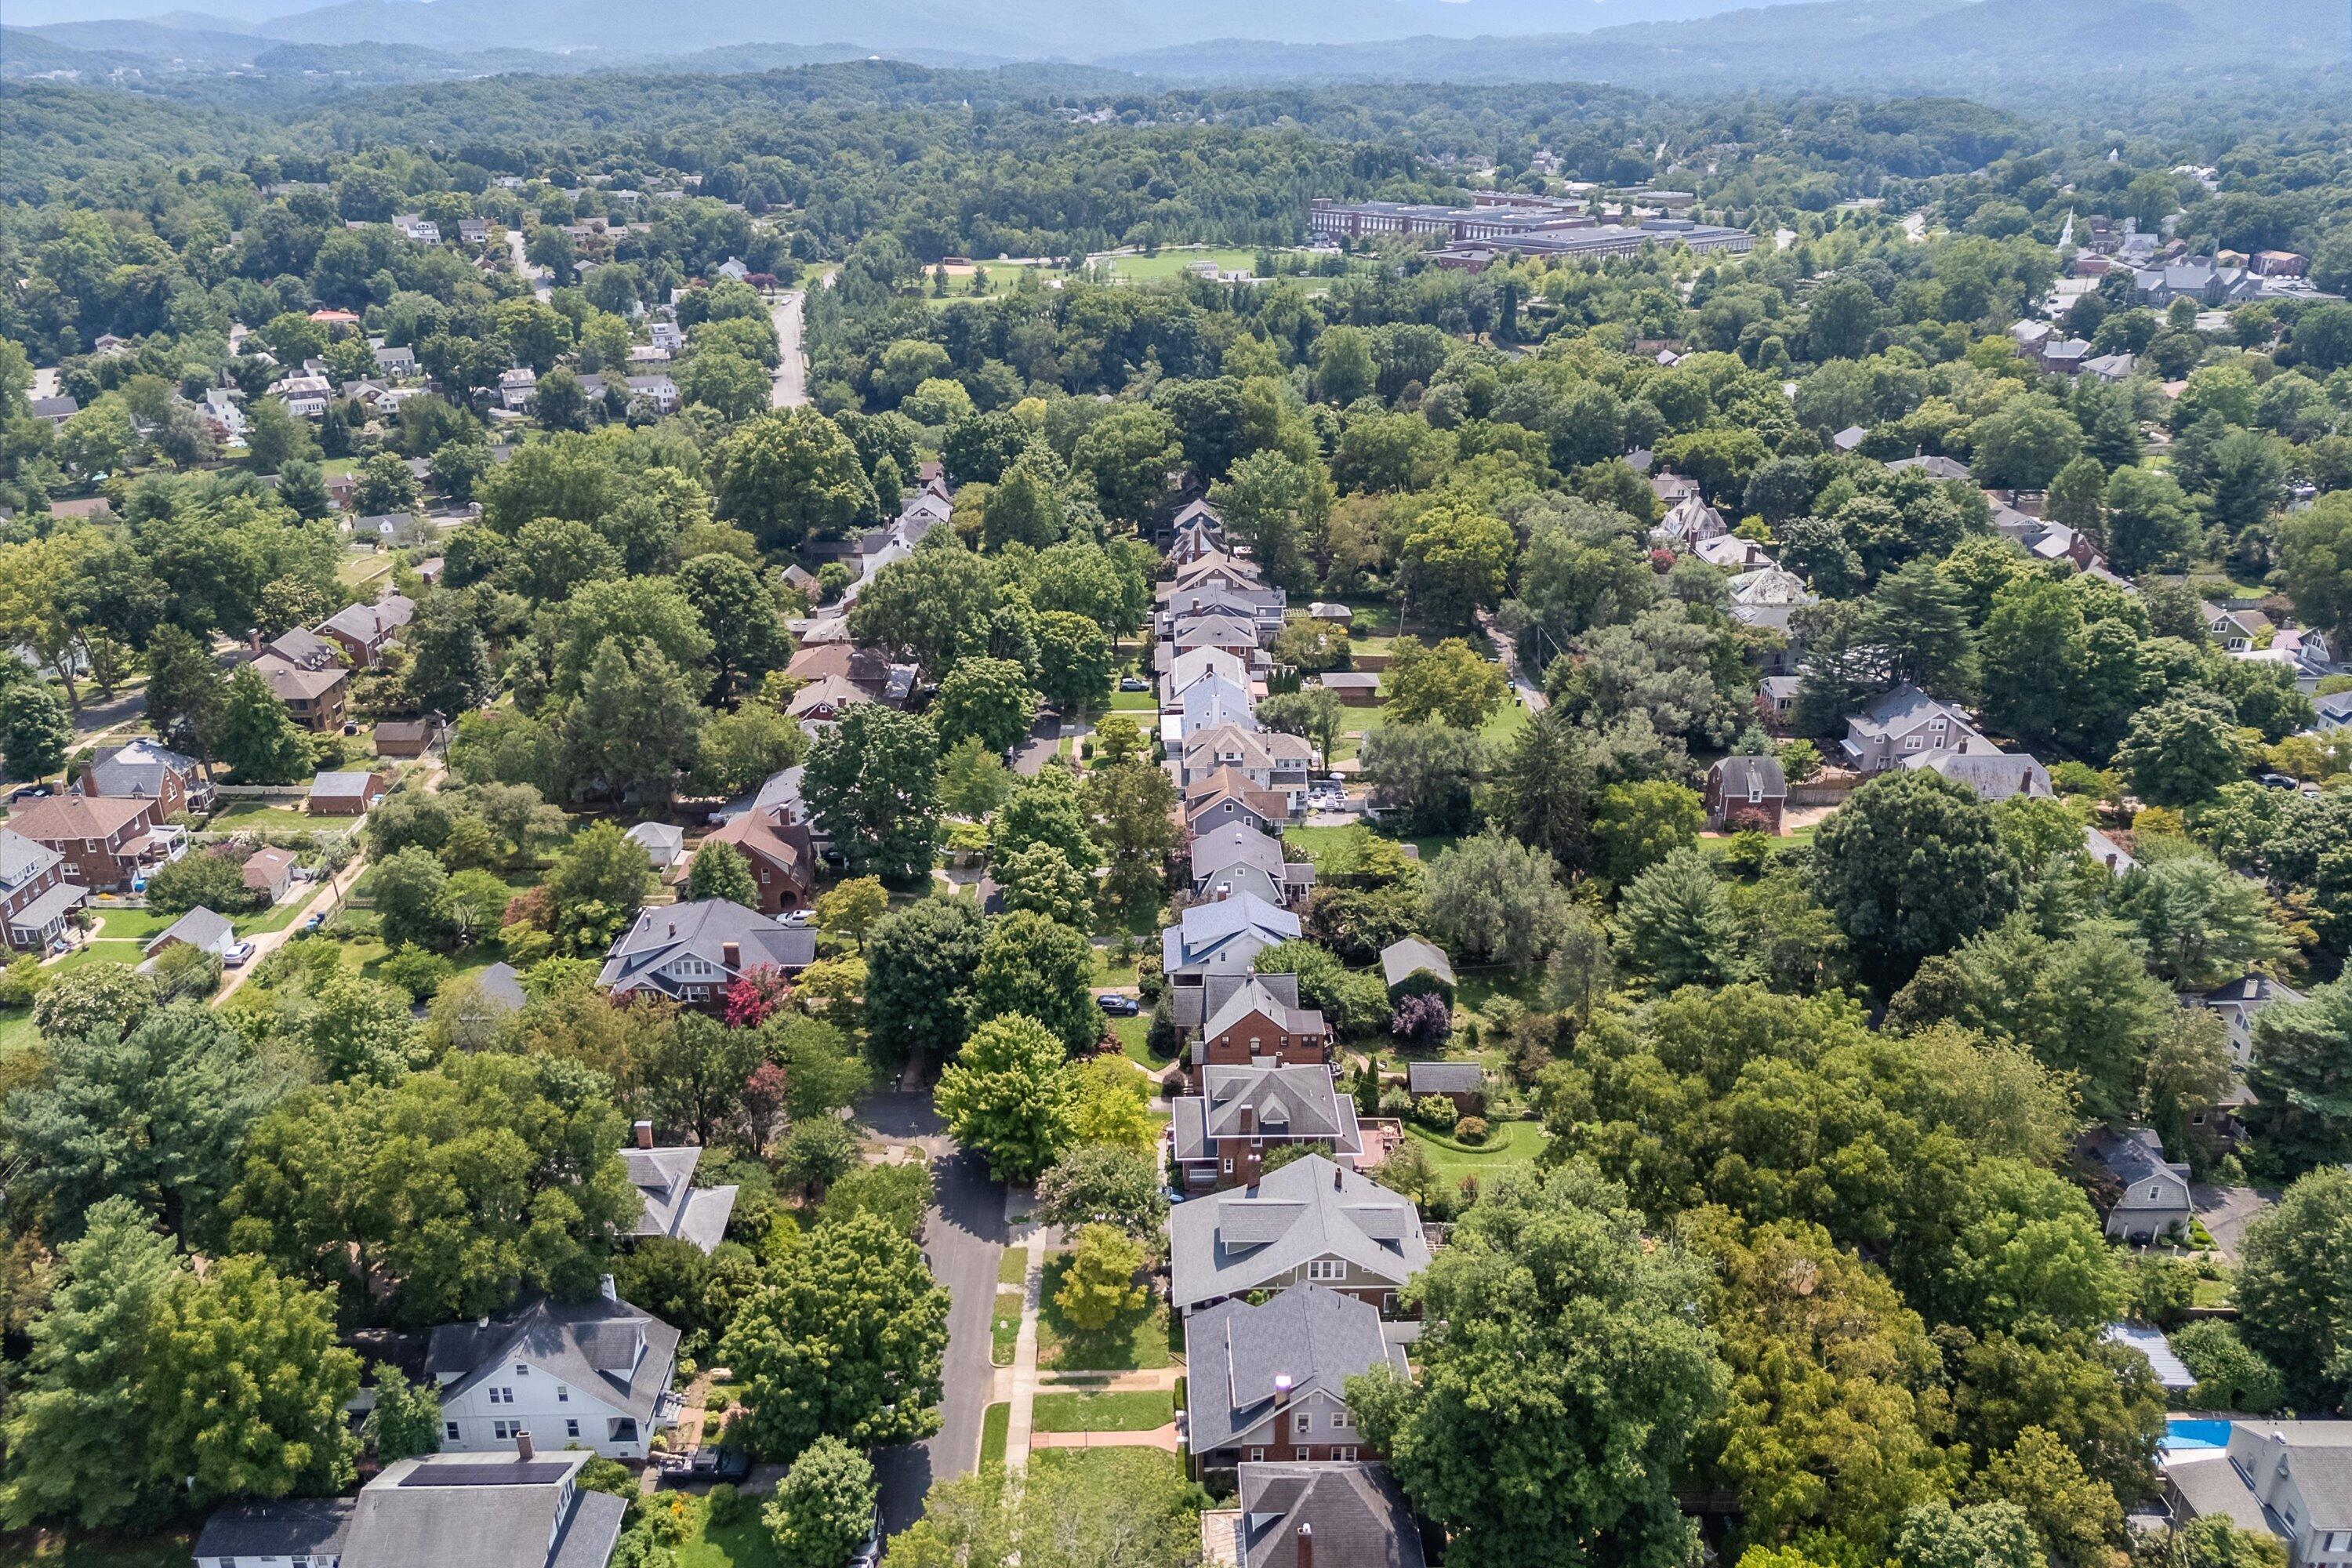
point(1194, 1005)
point(1353, 1515)
point(702, 929)
point(674, 1206)
point(137, 768)
point(1252, 994)
point(1230, 1243)
point(1934, 466)
point(300, 645)
point(2209, 1484)
point(1904, 709)
point(1236, 880)
point(662, 842)
point(1235, 1353)
point(2336, 705)
point(50, 906)
point(280, 1527)
point(2253, 994)
point(468, 1511)
point(501, 984)
point(2316, 1455)
point(21, 858)
point(2137, 1155)
point(603, 1346)
point(2172, 1373)
point(1409, 956)
point(1992, 776)
point(1279, 1101)
point(1224, 935)
point(335, 785)
point(1743, 776)
point(1235, 843)
point(200, 927)
point(1444, 1078)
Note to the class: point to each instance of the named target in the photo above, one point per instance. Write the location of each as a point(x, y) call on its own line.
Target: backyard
point(1511, 1143)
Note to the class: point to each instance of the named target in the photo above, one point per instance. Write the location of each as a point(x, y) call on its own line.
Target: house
point(1221, 1134)
point(278, 1531)
point(824, 702)
point(1900, 723)
point(108, 843)
point(305, 396)
point(1733, 554)
point(1776, 696)
point(223, 413)
point(1232, 634)
point(664, 845)
point(1223, 938)
point(1935, 467)
point(777, 840)
point(674, 1206)
point(1309, 1221)
point(201, 928)
point(693, 951)
point(269, 872)
point(1296, 1515)
point(2237, 629)
point(1178, 675)
point(346, 793)
point(56, 410)
point(1268, 759)
point(317, 698)
point(659, 391)
point(473, 232)
point(1463, 1083)
point(1208, 703)
point(2240, 1003)
point(517, 387)
point(1331, 614)
point(1236, 857)
point(2291, 1480)
point(1689, 522)
point(365, 631)
point(1410, 964)
point(1745, 793)
point(872, 674)
point(1849, 440)
point(404, 737)
point(1768, 585)
point(1354, 688)
point(399, 363)
point(146, 770)
point(36, 896)
point(2106, 852)
point(1274, 1377)
point(1993, 775)
point(596, 1374)
point(1227, 795)
point(1249, 1020)
point(2151, 1194)
point(1672, 490)
point(423, 230)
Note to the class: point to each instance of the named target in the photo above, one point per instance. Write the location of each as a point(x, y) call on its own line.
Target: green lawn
point(1511, 1143)
point(1141, 1410)
point(744, 1543)
point(1134, 1037)
point(1477, 987)
point(995, 1421)
point(1172, 263)
point(133, 925)
point(1322, 845)
point(278, 917)
point(100, 949)
point(16, 1031)
point(84, 1549)
point(1108, 973)
point(1013, 1266)
point(2210, 1293)
point(1128, 1472)
point(254, 816)
point(1134, 703)
point(1134, 1342)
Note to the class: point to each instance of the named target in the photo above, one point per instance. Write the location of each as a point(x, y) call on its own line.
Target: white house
point(595, 1375)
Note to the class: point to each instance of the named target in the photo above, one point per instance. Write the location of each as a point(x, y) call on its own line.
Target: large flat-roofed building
point(1331, 219)
point(1476, 234)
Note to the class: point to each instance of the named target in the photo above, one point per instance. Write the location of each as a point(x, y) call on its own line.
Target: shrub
point(1423, 1019)
point(23, 981)
point(1471, 1129)
point(1395, 1101)
point(1434, 1110)
point(416, 971)
point(728, 1506)
point(214, 878)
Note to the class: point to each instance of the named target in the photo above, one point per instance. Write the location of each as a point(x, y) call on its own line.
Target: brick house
point(1746, 791)
point(1272, 1378)
point(105, 843)
point(365, 631)
point(783, 857)
point(692, 952)
point(35, 895)
point(318, 699)
point(143, 769)
point(1222, 1133)
point(1255, 1020)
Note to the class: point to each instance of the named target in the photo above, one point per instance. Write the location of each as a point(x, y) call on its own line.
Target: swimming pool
point(2182, 1433)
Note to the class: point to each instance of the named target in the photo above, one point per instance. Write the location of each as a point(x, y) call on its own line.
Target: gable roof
point(1745, 776)
point(200, 927)
point(1234, 1242)
point(604, 1347)
point(475, 1510)
point(61, 817)
point(700, 928)
point(1444, 1078)
point(1235, 843)
point(674, 1206)
point(1992, 776)
point(1251, 994)
point(1903, 709)
point(1266, 749)
point(344, 785)
point(136, 768)
point(366, 623)
point(1227, 934)
point(21, 859)
point(1408, 956)
point(1238, 1357)
point(1351, 1514)
point(280, 1527)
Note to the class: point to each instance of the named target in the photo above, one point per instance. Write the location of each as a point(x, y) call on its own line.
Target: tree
point(2316, 561)
point(2076, 1515)
point(1272, 505)
point(1916, 617)
point(1113, 1106)
point(1913, 865)
point(784, 475)
point(736, 752)
point(1492, 899)
point(215, 880)
point(2182, 748)
point(258, 741)
point(935, 607)
point(77, 1440)
point(411, 890)
point(972, 780)
point(1128, 453)
point(596, 885)
point(155, 1113)
point(1423, 775)
point(2202, 923)
point(1313, 713)
point(1008, 1095)
point(820, 1509)
point(1562, 1376)
point(405, 1420)
point(449, 668)
point(1040, 879)
point(1448, 681)
point(243, 1385)
point(2023, 444)
point(2301, 1074)
point(2033, 635)
point(35, 732)
point(852, 907)
point(990, 699)
point(95, 1000)
point(719, 870)
point(1980, 1535)
point(872, 782)
point(843, 1338)
point(1133, 806)
point(1097, 1184)
point(635, 725)
point(697, 1073)
point(1031, 966)
point(2229, 1375)
point(185, 700)
point(1675, 924)
point(2294, 1286)
point(919, 964)
point(1074, 661)
point(1100, 1282)
point(1640, 823)
point(1455, 561)
point(747, 629)
point(2151, 525)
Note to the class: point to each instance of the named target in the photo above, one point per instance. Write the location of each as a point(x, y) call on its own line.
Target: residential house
point(2148, 1196)
point(1935, 467)
point(1262, 607)
point(317, 699)
point(1463, 1083)
point(1272, 1379)
point(1993, 775)
point(1178, 675)
point(108, 843)
point(146, 770)
point(1310, 1222)
point(281, 1532)
point(56, 410)
point(864, 669)
point(1733, 554)
point(1775, 696)
point(777, 841)
point(1672, 490)
point(403, 738)
point(1409, 965)
point(2240, 1003)
point(674, 1206)
point(1354, 688)
point(300, 646)
point(398, 362)
point(1746, 792)
point(1768, 586)
point(1236, 857)
point(1221, 1135)
point(1298, 1515)
point(1227, 795)
point(1688, 522)
point(693, 951)
point(201, 928)
point(2290, 1479)
point(1236, 635)
point(517, 387)
point(423, 230)
point(224, 413)
point(305, 396)
point(1249, 1020)
point(473, 232)
point(2197, 278)
point(1221, 938)
point(37, 897)
point(365, 631)
point(1331, 614)
point(596, 1374)
point(1209, 703)
point(824, 702)
point(271, 872)
point(1268, 759)
point(659, 391)
point(1903, 723)
point(346, 793)
point(1850, 438)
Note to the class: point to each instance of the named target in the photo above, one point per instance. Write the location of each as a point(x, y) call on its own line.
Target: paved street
point(789, 389)
point(963, 1241)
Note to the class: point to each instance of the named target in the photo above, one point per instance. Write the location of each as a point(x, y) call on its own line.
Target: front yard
point(1134, 1341)
point(1139, 1410)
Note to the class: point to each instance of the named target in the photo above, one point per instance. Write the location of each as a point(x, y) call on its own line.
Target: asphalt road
point(962, 1241)
point(789, 387)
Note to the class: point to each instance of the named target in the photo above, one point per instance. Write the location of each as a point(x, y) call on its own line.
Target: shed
point(1412, 964)
point(403, 737)
point(201, 928)
point(1463, 1083)
point(269, 872)
point(1355, 689)
point(346, 793)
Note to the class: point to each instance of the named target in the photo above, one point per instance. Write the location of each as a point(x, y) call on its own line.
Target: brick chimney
point(730, 955)
point(522, 1446)
point(1338, 1177)
point(1281, 1389)
point(645, 1131)
point(1306, 1539)
point(1249, 1121)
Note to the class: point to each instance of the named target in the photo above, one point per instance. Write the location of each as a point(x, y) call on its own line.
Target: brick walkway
point(1157, 1437)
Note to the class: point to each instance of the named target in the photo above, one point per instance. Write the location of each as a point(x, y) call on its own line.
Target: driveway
point(1508, 655)
point(962, 1241)
point(788, 388)
point(2226, 1210)
point(1029, 757)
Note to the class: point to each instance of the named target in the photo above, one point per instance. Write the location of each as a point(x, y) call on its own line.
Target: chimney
point(1338, 1177)
point(1249, 1121)
point(730, 955)
point(1281, 1389)
point(522, 1446)
point(604, 1288)
point(645, 1131)
point(1306, 1545)
point(253, 640)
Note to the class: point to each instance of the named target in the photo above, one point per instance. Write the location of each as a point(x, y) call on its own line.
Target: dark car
point(728, 1462)
point(1117, 1003)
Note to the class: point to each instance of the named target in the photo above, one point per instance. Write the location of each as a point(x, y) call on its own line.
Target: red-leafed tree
point(757, 993)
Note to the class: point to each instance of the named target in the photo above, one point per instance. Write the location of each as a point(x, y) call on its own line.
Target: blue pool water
point(2180, 1433)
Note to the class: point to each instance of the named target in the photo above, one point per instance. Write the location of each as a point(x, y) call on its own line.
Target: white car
point(795, 919)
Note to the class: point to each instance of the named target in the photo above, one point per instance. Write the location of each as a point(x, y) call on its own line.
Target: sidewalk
point(1147, 1381)
point(1024, 1411)
point(1162, 1438)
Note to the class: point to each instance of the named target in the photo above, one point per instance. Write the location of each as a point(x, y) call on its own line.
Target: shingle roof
point(702, 929)
point(1444, 1078)
point(618, 1352)
point(1235, 843)
point(1253, 994)
point(61, 817)
point(21, 859)
point(136, 768)
point(1742, 777)
point(280, 1527)
point(1408, 956)
point(343, 785)
point(674, 1206)
point(1351, 1514)
point(200, 927)
point(469, 1510)
point(1225, 934)
point(1235, 1353)
point(1235, 1242)
point(1902, 708)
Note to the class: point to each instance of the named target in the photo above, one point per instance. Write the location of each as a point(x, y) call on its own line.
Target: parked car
point(1117, 1003)
point(1133, 683)
point(869, 1550)
point(795, 919)
point(239, 955)
point(2276, 781)
point(314, 922)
